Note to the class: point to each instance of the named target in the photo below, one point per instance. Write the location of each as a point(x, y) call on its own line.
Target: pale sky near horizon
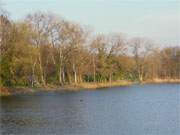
point(155, 19)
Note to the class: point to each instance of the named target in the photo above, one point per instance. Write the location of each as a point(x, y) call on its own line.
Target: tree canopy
point(46, 49)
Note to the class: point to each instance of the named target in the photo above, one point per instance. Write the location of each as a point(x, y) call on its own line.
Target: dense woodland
point(43, 49)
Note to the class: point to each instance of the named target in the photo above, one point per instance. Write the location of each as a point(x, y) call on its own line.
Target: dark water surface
point(134, 110)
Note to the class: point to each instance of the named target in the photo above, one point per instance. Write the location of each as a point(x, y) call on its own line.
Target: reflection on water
point(148, 109)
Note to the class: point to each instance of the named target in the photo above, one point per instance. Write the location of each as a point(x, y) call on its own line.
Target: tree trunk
point(60, 67)
point(60, 77)
point(140, 78)
point(41, 70)
point(75, 74)
point(69, 77)
point(94, 70)
point(110, 78)
point(33, 74)
point(63, 76)
point(140, 75)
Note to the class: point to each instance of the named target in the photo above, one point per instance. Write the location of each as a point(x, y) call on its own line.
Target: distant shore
point(7, 91)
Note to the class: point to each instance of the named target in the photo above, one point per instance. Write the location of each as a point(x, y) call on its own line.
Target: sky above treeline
point(155, 19)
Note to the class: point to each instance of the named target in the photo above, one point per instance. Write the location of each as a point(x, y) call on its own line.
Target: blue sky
point(155, 19)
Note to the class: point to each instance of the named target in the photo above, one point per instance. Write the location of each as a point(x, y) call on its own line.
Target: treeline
point(46, 49)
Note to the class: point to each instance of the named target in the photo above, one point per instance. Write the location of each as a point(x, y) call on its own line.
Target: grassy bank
point(157, 80)
point(6, 91)
point(104, 85)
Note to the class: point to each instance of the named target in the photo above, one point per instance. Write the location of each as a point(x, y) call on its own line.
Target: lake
point(152, 109)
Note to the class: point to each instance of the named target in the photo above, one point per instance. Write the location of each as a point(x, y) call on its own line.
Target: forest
point(45, 49)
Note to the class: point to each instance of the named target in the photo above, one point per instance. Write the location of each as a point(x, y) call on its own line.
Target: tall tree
point(41, 24)
point(141, 48)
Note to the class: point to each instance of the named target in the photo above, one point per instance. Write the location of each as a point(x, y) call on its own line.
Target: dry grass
point(103, 84)
point(73, 87)
point(4, 91)
point(157, 80)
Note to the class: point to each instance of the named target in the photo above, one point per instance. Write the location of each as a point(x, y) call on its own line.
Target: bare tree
point(106, 47)
point(116, 47)
point(141, 48)
point(42, 25)
point(74, 38)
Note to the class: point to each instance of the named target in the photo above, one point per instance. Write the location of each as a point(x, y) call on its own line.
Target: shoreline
point(8, 91)
point(161, 81)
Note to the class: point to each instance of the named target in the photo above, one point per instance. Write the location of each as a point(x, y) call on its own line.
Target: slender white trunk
point(60, 78)
point(60, 66)
point(63, 76)
point(41, 70)
point(75, 74)
point(110, 78)
point(94, 69)
point(33, 74)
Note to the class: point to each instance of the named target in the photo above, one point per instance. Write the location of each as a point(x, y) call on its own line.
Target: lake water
point(133, 110)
